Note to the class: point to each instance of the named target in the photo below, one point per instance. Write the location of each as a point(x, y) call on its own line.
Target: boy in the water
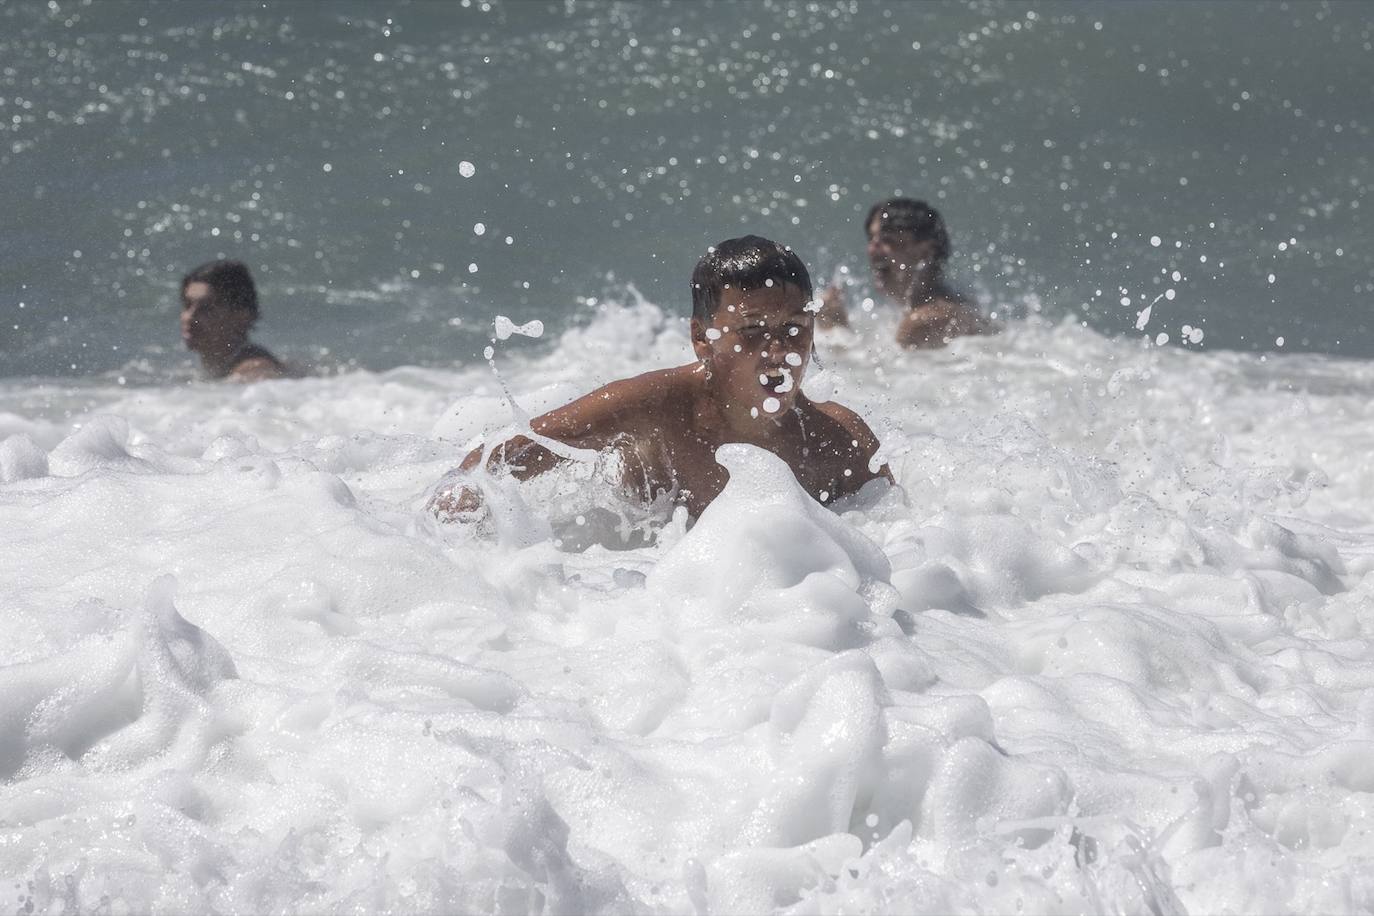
point(752, 332)
point(219, 304)
point(908, 245)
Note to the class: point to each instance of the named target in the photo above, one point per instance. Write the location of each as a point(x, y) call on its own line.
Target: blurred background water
point(396, 174)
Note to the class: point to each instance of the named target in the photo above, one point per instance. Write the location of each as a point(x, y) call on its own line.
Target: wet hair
point(746, 264)
point(231, 282)
point(915, 216)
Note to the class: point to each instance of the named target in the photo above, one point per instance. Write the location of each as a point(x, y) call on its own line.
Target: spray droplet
point(504, 328)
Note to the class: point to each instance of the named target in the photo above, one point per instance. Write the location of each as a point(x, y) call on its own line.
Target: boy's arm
point(834, 310)
point(926, 327)
point(593, 422)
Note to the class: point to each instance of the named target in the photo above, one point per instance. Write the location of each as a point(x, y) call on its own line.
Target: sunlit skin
point(668, 424)
point(905, 270)
point(218, 333)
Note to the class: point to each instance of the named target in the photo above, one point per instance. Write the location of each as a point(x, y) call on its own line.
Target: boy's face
point(897, 257)
point(757, 346)
point(209, 325)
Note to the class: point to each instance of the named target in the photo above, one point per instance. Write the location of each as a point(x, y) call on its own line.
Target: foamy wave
point(1106, 650)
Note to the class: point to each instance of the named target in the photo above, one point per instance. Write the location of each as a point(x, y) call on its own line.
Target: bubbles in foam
point(781, 706)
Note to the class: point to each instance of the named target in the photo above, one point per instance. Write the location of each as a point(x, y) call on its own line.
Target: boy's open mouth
point(776, 380)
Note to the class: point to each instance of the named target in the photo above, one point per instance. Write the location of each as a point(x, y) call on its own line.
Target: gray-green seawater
point(1088, 158)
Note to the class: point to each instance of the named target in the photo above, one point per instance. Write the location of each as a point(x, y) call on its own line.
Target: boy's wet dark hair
point(230, 281)
point(745, 263)
point(915, 216)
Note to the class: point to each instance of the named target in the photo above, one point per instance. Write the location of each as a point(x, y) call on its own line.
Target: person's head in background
point(908, 245)
point(219, 305)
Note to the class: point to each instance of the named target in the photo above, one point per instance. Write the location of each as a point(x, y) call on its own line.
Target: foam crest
point(764, 531)
point(101, 443)
point(20, 459)
point(121, 689)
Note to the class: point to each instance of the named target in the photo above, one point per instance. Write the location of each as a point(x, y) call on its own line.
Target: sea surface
point(1107, 648)
point(1088, 157)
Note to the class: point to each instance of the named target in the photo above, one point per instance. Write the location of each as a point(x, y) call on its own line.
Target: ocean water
point(610, 143)
point(1109, 647)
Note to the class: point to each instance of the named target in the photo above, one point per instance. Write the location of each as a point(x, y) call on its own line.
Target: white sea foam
point(1109, 650)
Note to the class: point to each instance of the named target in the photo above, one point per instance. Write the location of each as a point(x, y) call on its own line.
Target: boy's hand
point(834, 312)
point(457, 504)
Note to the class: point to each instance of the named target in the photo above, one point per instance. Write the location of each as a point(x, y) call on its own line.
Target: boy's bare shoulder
point(648, 393)
point(856, 440)
point(619, 406)
point(850, 422)
point(657, 385)
point(258, 368)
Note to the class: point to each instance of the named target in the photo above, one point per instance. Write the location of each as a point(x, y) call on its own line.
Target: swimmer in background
point(907, 249)
point(219, 304)
point(752, 333)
